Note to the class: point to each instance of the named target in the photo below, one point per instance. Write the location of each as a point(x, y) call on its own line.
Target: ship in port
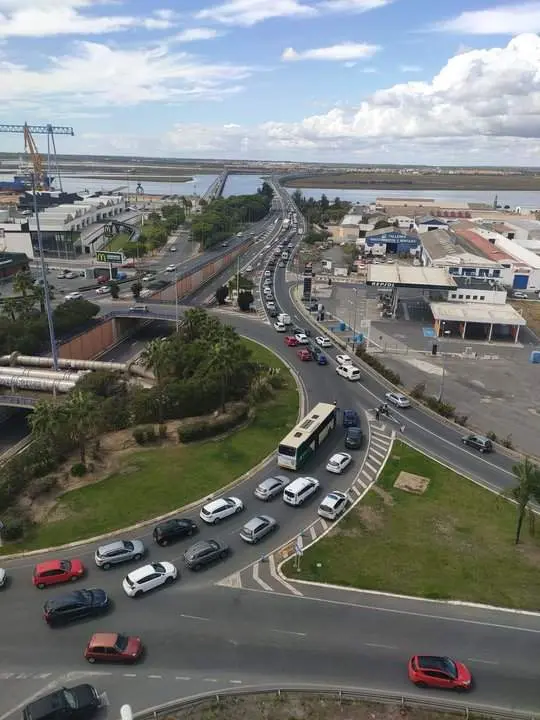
point(20, 183)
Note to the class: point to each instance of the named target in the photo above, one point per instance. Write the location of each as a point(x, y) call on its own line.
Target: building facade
point(391, 240)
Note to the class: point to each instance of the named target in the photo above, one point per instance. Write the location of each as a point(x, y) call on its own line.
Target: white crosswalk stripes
point(263, 575)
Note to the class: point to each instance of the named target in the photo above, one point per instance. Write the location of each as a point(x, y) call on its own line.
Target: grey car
point(118, 552)
point(258, 528)
point(205, 552)
point(271, 487)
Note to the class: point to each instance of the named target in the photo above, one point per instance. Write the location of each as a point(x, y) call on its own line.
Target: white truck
point(284, 319)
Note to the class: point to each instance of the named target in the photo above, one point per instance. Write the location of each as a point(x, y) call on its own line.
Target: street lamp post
point(46, 291)
point(176, 308)
point(443, 373)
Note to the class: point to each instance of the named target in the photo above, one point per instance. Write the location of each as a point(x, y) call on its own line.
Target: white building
point(523, 231)
point(441, 248)
point(15, 237)
point(429, 223)
point(471, 290)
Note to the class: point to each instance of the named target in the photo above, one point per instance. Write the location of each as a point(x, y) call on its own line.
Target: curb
point(512, 454)
point(143, 523)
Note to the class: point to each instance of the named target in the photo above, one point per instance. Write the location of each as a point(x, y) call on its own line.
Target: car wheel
point(169, 580)
point(196, 567)
point(461, 689)
point(91, 660)
point(137, 594)
point(40, 586)
point(216, 520)
point(189, 533)
point(137, 556)
point(420, 684)
point(164, 543)
point(223, 554)
point(239, 509)
point(107, 566)
point(482, 450)
point(74, 578)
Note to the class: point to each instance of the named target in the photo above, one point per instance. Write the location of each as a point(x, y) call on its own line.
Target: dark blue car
point(351, 419)
point(321, 360)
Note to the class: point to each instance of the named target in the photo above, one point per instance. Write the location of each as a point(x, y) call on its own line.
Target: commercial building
point(523, 231)
point(64, 226)
point(441, 248)
point(473, 290)
point(446, 209)
point(429, 223)
point(391, 240)
point(11, 264)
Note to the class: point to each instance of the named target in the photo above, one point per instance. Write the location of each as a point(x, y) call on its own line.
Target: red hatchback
point(53, 572)
point(113, 647)
point(439, 672)
point(304, 354)
point(291, 341)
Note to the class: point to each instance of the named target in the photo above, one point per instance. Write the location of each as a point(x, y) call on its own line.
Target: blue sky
point(384, 81)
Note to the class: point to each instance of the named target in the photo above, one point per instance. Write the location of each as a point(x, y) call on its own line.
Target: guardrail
point(344, 695)
point(18, 400)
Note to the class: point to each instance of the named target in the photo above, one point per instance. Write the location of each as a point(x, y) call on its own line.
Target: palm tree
point(528, 488)
point(23, 283)
point(157, 357)
point(49, 420)
point(81, 410)
point(223, 359)
point(11, 307)
point(38, 294)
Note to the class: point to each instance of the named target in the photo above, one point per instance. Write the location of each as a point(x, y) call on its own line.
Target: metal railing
point(18, 401)
point(341, 696)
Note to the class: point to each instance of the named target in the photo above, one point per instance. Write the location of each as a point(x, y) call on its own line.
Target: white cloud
point(502, 20)
point(98, 76)
point(483, 104)
point(37, 18)
point(196, 34)
point(410, 68)
point(352, 6)
point(342, 51)
point(250, 12)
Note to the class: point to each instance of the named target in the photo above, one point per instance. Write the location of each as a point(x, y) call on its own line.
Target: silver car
point(118, 552)
point(258, 528)
point(397, 399)
point(271, 487)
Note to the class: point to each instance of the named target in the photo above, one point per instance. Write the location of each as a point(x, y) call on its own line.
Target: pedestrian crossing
point(263, 574)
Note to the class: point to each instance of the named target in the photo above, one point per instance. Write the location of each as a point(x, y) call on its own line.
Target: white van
point(349, 372)
point(284, 319)
point(300, 490)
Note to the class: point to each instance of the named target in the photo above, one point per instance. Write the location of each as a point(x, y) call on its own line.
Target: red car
point(291, 341)
point(53, 572)
point(113, 647)
point(304, 354)
point(439, 672)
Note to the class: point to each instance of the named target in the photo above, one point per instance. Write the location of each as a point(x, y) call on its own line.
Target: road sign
point(110, 257)
point(299, 547)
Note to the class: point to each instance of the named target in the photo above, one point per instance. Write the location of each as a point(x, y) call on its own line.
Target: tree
point(527, 475)
point(221, 294)
point(223, 359)
point(244, 300)
point(23, 283)
point(136, 289)
point(115, 290)
point(157, 357)
point(244, 283)
point(381, 224)
point(83, 420)
point(11, 307)
point(38, 295)
point(49, 420)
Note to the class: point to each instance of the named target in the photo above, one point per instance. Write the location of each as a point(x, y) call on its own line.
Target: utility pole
point(237, 278)
point(46, 291)
point(176, 308)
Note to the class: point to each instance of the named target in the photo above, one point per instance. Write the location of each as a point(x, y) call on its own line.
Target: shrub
point(419, 391)
point(204, 429)
point(508, 442)
point(146, 434)
point(14, 527)
point(162, 432)
point(442, 408)
point(491, 436)
point(139, 435)
point(461, 420)
point(78, 470)
point(378, 366)
point(42, 486)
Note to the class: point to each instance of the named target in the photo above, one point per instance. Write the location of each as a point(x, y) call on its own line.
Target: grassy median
point(153, 482)
point(454, 541)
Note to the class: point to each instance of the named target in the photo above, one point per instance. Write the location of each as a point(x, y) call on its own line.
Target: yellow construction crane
point(42, 179)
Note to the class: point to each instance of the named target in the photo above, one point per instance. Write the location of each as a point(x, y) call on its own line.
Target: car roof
point(431, 661)
point(258, 520)
point(49, 565)
point(333, 498)
point(201, 545)
point(339, 456)
point(141, 572)
point(216, 504)
point(103, 640)
point(116, 545)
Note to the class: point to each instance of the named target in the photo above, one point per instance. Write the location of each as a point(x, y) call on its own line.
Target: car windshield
point(158, 567)
point(334, 461)
point(128, 545)
point(65, 565)
point(121, 643)
point(450, 667)
point(71, 699)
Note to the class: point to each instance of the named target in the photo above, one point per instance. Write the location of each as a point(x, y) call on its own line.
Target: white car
point(333, 505)
point(349, 372)
point(397, 399)
point(270, 304)
point(267, 273)
point(339, 462)
point(220, 509)
point(3, 577)
point(280, 327)
point(148, 277)
point(149, 577)
point(103, 290)
point(323, 341)
point(344, 359)
point(301, 339)
point(249, 268)
point(520, 295)
point(170, 268)
point(73, 296)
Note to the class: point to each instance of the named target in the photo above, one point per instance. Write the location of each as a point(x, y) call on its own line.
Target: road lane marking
point(324, 524)
point(258, 580)
point(182, 677)
point(370, 466)
point(356, 491)
point(313, 532)
point(194, 617)
point(359, 481)
point(156, 677)
point(130, 674)
point(484, 662)
point(282, 581)
point(367, 475)
point(210, 680)
point(381, 645)
point(289, 632)
point(235, 682)
point(372, 451)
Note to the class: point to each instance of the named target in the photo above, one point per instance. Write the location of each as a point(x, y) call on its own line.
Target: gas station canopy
point(408, 276)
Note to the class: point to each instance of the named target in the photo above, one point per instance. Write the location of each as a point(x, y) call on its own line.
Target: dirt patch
point(371, 519)
point(385, 496)
point(411, 483)
point(290, 706)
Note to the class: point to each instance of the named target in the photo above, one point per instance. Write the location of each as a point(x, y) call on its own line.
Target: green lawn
point(456, 541)
point(153, 482)
point(117, 242)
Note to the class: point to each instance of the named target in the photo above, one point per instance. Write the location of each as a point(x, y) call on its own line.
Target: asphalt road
point(202, 637)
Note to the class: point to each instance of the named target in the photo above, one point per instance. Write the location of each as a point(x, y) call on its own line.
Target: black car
point(273, 313)
point(205, 552)
point(75, 606)
point(478, 442)
point(174, 529)
point(77, 703)
point(302, 331)
point(353, 438)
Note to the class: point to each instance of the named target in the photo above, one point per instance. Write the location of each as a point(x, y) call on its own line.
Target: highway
point(201, 636)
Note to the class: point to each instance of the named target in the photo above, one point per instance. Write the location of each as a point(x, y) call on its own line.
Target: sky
point(357, 81)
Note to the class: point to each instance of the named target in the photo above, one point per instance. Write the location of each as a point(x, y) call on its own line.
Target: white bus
point(300, 444)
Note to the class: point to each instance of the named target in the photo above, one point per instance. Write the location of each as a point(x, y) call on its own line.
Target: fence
point(344, 695)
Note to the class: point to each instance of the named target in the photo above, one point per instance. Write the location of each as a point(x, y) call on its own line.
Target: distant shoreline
point(133, 178)
point(425, 183)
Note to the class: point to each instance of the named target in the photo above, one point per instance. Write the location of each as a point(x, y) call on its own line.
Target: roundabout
point(241, 624)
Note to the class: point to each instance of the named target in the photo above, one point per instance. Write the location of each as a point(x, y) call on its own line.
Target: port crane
point(42, 179)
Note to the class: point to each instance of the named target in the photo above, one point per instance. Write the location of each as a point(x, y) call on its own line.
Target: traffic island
point(424, 530)
point(152, 481)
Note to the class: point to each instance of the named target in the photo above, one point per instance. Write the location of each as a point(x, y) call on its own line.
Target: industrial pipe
point(35, 360)
point(28, 383)
point(44, 374)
